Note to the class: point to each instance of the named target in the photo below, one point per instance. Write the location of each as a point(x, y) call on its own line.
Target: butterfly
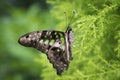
point(55, 44)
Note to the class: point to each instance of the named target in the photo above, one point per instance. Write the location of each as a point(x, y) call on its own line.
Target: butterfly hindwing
point(57, 58)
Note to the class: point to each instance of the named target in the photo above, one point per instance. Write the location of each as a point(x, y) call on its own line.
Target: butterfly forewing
point(55, 44)
point(41, 40)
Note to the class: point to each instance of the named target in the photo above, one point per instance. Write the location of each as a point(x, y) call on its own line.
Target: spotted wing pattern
point(54, 44)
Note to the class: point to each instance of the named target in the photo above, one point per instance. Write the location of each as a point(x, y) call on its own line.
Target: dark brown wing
point(57, 57)
point(41, 40)
point(52, 43)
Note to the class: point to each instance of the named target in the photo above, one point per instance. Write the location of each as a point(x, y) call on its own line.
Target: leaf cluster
point(96, 48)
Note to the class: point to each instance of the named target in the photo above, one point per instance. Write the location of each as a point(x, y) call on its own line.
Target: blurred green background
point(96, 49)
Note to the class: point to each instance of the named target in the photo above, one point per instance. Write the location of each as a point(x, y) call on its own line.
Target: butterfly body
point(55, 44)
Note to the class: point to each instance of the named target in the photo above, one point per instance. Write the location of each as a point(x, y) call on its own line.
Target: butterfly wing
point(57, 58)
point(55, 44)
point(41, 40)
point(60, 57)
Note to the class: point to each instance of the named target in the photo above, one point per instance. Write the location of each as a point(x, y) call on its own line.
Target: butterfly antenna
point(66, 17)
point(71, 18)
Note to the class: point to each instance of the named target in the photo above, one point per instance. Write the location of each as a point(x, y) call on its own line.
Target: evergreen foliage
point(96, 48)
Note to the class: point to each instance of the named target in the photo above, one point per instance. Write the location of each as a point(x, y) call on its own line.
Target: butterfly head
point(70, 34)
point(28, 39)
